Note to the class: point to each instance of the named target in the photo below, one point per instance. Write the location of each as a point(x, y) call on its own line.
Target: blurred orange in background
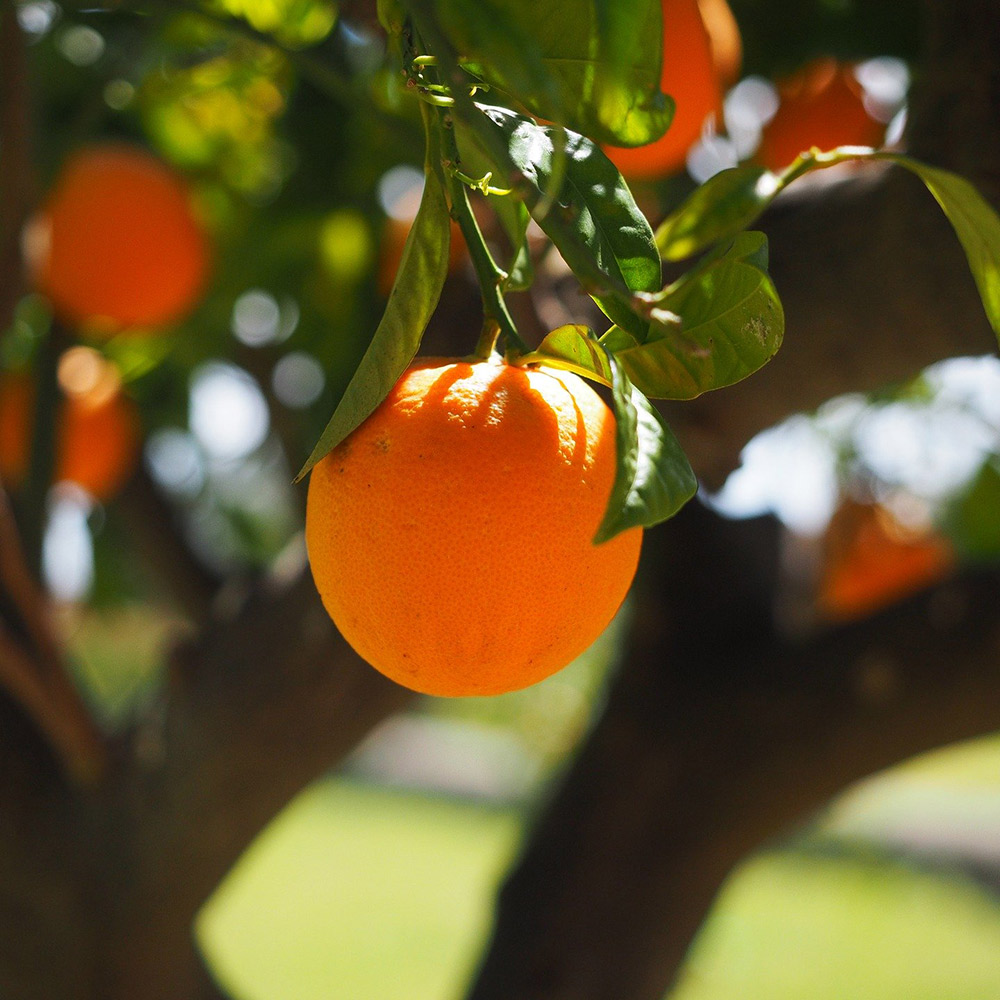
point(391, 251)
point(701, 57)
point(821, 105)
point(117, 243)
point(871, 560)
point(97, 434)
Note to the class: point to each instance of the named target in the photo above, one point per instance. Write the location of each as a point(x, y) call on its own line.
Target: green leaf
point(592, 65)
point(391, 15)
point(596, 224)
point(721, 207)
point(653, 479)
point(976, 224)
point(733, 199)
point(575, 348)
point(972, 523)
point(502, 47)
point(414, 296)
point(510, 210)
point(732, 324)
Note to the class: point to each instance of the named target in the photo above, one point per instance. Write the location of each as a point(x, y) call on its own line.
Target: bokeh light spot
point(228, 413)
point(298, 380)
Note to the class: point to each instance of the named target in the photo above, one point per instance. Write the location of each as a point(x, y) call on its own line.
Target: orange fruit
point(724, 37)
point(822, 106)
point(696, 64)
point(450, 535)
point(872, 561)
point(97, 429)
point(117, 244)
point(391, 252)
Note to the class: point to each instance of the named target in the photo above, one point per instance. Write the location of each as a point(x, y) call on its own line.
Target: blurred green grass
point(362, 893)
point(357, 892)
point(791, 927)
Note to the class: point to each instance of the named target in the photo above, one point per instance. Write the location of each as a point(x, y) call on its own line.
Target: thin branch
point(19, 584)
point(40, 679)
point(16, 178)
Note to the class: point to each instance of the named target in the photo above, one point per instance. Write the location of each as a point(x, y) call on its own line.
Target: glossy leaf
point(733, 199)
point(732, 323)
point(653, 478)
point(576, 349)
point(414, 296)
point(721, 207)
point(976, 224)
point(592, 65)
point(596, 225)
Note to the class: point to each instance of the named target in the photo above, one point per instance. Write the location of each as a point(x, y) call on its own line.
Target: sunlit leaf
point(592, 65)
point(596, 225)
point(653, 478)
point(575, 348)
point(294, 23)
point(414, 295)
point(732, 323)
point(718, 209)
point(977, 226)
point(733, 199)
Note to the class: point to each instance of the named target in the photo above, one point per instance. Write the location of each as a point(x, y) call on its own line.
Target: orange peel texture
point(450, 535)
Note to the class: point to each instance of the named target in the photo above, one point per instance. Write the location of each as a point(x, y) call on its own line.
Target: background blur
point(379, 880)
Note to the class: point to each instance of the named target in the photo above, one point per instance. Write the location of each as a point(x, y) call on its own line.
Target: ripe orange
point(821, 105)
point(450, 536)
point(117, 244)
point(97, 430)
point(701, 52)
point(871, 561)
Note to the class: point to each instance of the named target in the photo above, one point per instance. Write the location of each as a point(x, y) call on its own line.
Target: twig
point(15, 158)
point(40, 683)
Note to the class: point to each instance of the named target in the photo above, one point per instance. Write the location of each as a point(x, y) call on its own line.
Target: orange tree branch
point(16, 178)
point(717, 735)
point(262, 704)
point(35, 673)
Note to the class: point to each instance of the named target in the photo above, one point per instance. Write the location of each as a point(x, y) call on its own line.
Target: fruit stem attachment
point(487, 340)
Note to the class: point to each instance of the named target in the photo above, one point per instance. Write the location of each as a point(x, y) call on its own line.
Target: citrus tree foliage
point(504, 105)
point(712, 327)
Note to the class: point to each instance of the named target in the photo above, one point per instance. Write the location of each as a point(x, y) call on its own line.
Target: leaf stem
point(490, 275)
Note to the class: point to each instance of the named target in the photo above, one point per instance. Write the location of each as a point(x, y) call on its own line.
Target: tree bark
point(710, 744)
point(716, 735)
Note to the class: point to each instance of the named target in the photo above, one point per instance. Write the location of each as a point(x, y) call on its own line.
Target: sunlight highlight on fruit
point(450, 536)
